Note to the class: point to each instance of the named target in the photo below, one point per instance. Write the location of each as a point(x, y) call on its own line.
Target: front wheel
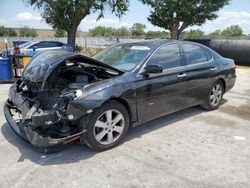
point(215, 97)
point(107, 126)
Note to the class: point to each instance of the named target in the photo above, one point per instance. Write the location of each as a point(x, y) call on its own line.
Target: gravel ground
point(190, 148)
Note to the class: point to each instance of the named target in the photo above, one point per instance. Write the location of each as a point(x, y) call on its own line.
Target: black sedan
point(65, 97)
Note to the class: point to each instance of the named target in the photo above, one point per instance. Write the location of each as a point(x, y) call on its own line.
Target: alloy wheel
point(216, 95)
point(109, 127)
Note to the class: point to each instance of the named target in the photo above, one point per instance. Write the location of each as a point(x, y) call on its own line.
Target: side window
point(42, 45)
point(167, 56)
point(209, 56)
point(38, 45)
point(194, 54)
point(55, 44)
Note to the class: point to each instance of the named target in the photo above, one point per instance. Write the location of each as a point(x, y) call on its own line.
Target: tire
point(215, 96)
point(104, 123)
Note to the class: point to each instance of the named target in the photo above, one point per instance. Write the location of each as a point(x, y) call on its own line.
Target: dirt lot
point(191, 148)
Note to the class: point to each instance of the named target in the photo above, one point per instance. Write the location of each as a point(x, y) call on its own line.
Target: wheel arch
point(125, 104)
point(223, 83)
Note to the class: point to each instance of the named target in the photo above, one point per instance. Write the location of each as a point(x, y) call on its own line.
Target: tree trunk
point(174, 33)
point(72, 36)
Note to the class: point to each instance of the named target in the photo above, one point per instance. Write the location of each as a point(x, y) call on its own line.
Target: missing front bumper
point(43, 144)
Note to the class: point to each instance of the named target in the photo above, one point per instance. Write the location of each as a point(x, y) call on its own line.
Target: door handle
point(213, 68)
point(181, 75)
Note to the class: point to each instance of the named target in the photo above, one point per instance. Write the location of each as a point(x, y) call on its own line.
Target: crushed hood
point(42, 65)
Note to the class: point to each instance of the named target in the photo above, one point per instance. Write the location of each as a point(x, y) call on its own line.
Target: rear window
point(194, 54)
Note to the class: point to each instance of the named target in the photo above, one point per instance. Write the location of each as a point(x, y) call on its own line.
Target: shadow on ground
point(76, 152)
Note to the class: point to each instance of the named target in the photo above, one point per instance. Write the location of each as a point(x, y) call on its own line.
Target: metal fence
point(80, 41)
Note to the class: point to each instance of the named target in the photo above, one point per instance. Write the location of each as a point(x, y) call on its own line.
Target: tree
point(59, 33)
point(27, 32)
point(232, 31)
point(2, 31)
point(67, 14)
point(177, 15)
point(10, 32)
point(196, 34)
point(123, 31)
point(216, 34)
point(192, 34)
point(138, 29)
point(101, 31)
point(158, 34)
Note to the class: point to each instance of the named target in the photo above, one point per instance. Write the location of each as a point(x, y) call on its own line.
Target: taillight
point(234, 67)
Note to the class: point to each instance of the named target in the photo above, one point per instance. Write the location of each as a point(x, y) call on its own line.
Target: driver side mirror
point(152, 69)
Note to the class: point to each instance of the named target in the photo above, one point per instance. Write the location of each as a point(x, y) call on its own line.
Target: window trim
point(164, 70)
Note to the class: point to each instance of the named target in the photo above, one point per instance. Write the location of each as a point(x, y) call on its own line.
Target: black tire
point(90, 137)
point(208, 103)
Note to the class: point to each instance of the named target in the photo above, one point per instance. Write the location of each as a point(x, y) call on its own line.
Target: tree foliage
point(169, 14)
point(158, 34)
point(215, 35)
point(7, 32)
point(192, 34)
point(138, 29)
point(67, 14)
point(59, 33)
point(232, 31)
point(101, 31)
point(27, 32)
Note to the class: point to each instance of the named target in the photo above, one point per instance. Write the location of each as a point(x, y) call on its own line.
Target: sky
point(17, 13)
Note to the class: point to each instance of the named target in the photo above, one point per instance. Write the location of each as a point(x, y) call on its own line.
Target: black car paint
point(152, 96)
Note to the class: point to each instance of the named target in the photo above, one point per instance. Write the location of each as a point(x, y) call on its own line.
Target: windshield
point(124, 56)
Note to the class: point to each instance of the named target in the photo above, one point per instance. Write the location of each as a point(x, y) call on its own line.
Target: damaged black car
point(66, 97)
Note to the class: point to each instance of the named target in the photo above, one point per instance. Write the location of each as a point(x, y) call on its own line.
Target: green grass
point(243, 67)
point(2, 45)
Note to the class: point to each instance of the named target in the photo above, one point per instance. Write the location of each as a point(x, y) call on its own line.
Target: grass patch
point(2, 45)
point(243, 67)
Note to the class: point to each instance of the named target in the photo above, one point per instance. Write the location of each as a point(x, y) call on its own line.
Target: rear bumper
point(43, 144)
point(230, 83)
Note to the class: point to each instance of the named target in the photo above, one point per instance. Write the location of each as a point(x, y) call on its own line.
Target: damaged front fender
point(85, 104)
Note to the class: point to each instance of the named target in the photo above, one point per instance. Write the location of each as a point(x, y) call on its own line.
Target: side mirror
point(152, 69)
point(34, 48)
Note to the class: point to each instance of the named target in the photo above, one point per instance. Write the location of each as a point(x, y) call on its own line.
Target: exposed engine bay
point(45, 101)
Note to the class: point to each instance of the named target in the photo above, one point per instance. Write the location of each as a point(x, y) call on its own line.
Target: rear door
point(161, 94)
point(201, 71)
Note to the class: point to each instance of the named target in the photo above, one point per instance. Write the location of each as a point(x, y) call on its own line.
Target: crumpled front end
point(45, 126)
point(49, 106)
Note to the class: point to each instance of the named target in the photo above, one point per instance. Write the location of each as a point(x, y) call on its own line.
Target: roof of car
point(46, 41)
point(156, 43)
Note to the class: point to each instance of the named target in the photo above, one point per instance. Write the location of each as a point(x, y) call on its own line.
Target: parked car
point(28, 47)
point(65, 97)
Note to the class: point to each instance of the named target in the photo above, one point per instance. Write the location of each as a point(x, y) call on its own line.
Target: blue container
point(5, 73)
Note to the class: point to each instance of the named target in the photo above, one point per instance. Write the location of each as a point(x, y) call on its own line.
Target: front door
point(160, 94)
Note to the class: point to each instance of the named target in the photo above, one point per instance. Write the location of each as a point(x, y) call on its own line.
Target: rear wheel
point(215, 96)
point(107, 126)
